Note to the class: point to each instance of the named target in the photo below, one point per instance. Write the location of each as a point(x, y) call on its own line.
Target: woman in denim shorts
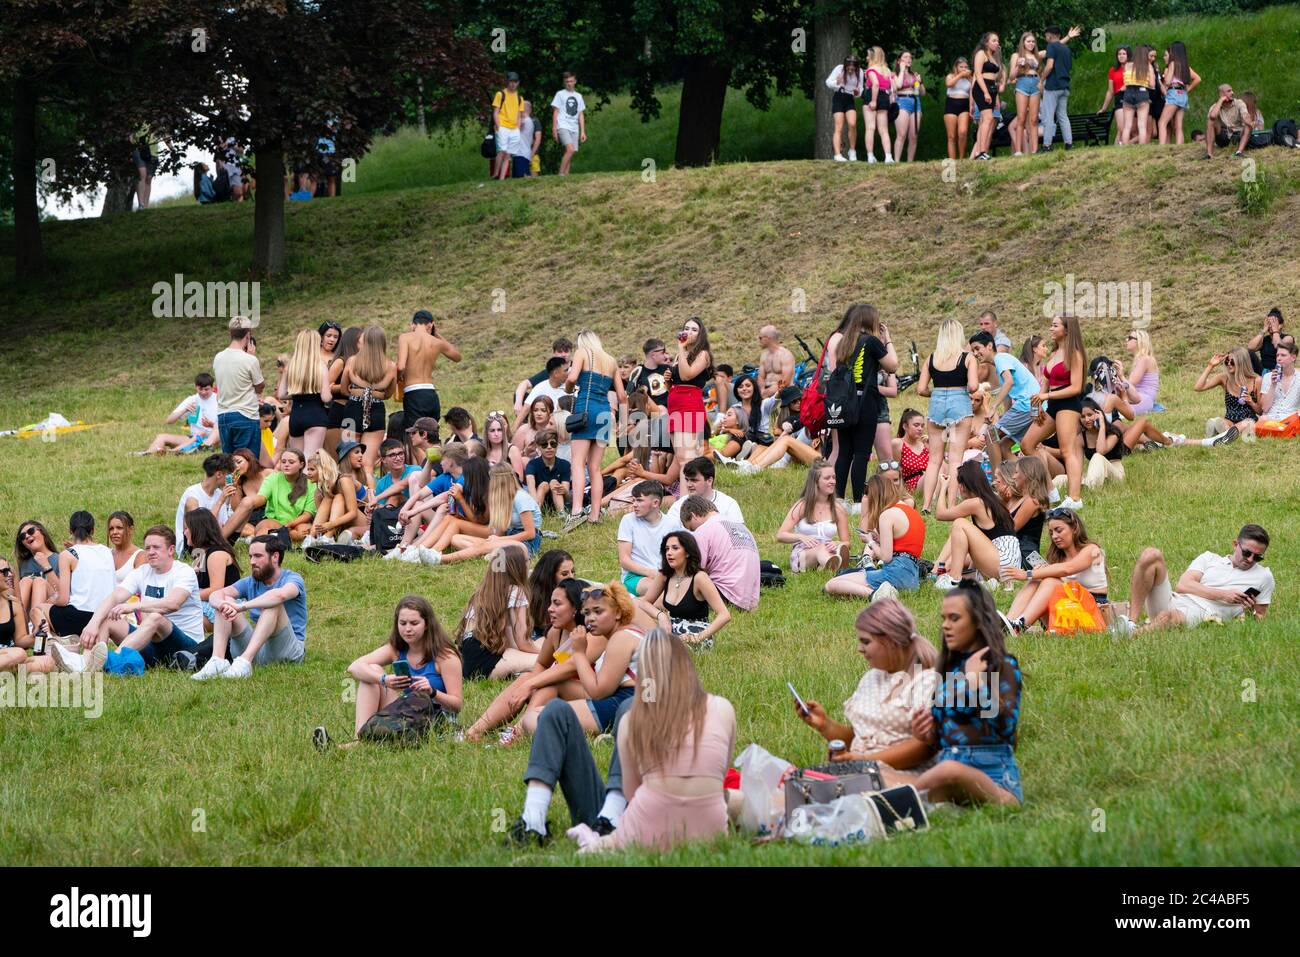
point(972, 726)
point(950, 377)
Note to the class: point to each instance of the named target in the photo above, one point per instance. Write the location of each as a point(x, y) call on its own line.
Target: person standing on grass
point(1180, 79)
point(418, 350)
point(949, 378)
point(988, 322)
point(907, 126)
point(1057, 64)
point(1215, 587)
point(369, 377)
point(1016, 387)
point(528, 142)
point(866, 346)
point(239, 384)
point(640, 534)
point(568, 120)
point(592, 376)
point(1139, 80)
point(1114, 88)
point(507, 107)
point(169, 610)
point(305, 382)
point(986, 84)
point(876, 97)
point(1060, 405)
point(846, 80)
point(275, 599)
point(975, 750)
point(1023, 68)
point(956, 107)
point(417, 638)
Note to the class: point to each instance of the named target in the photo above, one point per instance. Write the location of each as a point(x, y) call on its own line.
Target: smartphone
point(1252, 592)
point(402, 669)
point(803, 708)
point(230, 479)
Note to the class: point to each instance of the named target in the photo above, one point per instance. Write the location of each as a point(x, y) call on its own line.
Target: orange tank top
point(913, 540)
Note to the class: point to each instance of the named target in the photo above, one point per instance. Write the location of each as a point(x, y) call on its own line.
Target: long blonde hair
point(810, 496)
point(883, 491)
point(1242, 375)
point(327, 473)
point(304, 375)
point(668, 705)
point(589, 340)
point(502, 485)
point(507, 570)
point(876, 60)
point(371, 361)
point(1141, 337)
point(950, 343)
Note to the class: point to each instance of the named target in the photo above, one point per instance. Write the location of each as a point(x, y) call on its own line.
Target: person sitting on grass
point(494, 635)
point(789, 438)
point(417, 638)
point(275, 598)
point(85, 578)
point(337, 513)
point(169, 610)
point(512, 516)
point(728, 553)
point(644, 465)
point(975, 750)
point(674, 743)
point(1106, 443)
point(497, 437)
point(681, 597)
point(1280, 398)
point(38, 567)
point(200, 414)
point(983, 531)
point(640, 535)
point(14, 639)
point(249, 475)
point(286, 496)
point(1028, 497)
point(537, 417)
point(553, 567)
point(1241, 396)
point(430, 503)
point(698, 478)
point(548, 476)
point(895, 533)
point(213, 560)
point(901, 678)
point(466, 506)
point(1072, 556)
point(392, 489)
point(214, 493)
point(554, 665)
point(817, 526)
point(1214, 588)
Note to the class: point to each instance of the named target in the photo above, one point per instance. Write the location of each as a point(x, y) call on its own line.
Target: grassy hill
point(1153, 731)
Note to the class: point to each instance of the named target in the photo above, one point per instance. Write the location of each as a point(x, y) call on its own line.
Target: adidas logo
point(833, 411)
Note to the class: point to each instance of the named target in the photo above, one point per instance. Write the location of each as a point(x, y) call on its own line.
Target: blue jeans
point(239, 432)
point(1056, 104)
point(161, 651)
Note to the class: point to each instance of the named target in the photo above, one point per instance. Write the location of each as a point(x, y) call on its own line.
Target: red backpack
point(812, 405)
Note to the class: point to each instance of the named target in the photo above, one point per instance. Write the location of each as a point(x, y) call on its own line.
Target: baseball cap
point(512, 77)
point(423, 424)
point(424, 314)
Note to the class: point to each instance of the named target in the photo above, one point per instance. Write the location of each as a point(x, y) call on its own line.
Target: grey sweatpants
point(560, 754)
point(1056, 105)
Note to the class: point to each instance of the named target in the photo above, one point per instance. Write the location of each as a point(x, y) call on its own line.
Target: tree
point(832, 38)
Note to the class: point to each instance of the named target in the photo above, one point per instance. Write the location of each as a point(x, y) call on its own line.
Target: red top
point(1058, 376)
point(913, 540)
point(912, 465)
point(1116, 74)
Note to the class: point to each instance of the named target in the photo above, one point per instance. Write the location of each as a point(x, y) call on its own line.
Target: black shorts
point(1073, 404)
point(69, 621)
point(421, 403)
point(841, 102)
point(1225, 138)
point(882, 99)
point(978, 98)
point(1134, 96)
point(352, 417)
point(337, 412)
point(475, 660)
point(308, 412)
point(956, 105)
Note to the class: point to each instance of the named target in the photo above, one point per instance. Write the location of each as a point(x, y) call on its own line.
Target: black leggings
point(855, 452)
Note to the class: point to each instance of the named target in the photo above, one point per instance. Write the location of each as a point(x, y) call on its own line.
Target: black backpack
point(769, 575)
point(843, 396)
point(332, 552)
point(1284, 133)
point(385, 529)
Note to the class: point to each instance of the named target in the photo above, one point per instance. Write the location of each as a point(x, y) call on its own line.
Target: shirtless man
point(417, 354)
point(776, 364)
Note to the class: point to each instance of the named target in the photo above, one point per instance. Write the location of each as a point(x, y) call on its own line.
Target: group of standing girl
point(886, 93)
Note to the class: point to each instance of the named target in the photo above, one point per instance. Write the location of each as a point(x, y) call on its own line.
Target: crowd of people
point(1147, 94)
point(351, 453)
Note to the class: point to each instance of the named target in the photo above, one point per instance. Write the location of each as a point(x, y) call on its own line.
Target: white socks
point(613, 808)
point(536, 803)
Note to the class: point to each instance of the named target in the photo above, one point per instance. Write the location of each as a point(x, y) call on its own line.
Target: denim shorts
point(1015, 422)
point(1176, 98)
point(534, 545)
point(1027, 85)
point(909, 104)
point(996, 760)
point(606, 709)
point(948, 406)
point(1136, 95)
point(901, 571)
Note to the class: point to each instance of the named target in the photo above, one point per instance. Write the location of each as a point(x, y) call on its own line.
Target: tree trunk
point(831, 39)
point(424, 129)
point(30, 255)
point(268, 211)
point(699, 121)
point(119, 195)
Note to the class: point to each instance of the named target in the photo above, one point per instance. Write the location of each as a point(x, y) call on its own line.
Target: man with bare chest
point(776, 364)
point(417, 354)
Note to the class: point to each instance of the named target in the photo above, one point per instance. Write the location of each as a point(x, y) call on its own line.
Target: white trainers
point(429, 557)
point(214, 667)
point(412, 555)
point(239, 668)
point(1175, 438)
point(888, 158)
point(66, 661)
point(94, 659)
point(308, 542)
point(345, 537)
point(393, 554)
point(748, 468)
point(945, 582)
point(871, 157)
point(1059, 482)
point(1072, 504)
point(839, 159)
point(853, 156)
point(1124, 625)
point(884, 590)
point(365, 539)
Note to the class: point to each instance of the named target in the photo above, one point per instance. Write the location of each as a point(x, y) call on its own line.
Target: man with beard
point(276, 601)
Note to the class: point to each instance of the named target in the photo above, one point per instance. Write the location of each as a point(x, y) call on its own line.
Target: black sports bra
point(954, 378)
point(7, 628)
point(689, 608)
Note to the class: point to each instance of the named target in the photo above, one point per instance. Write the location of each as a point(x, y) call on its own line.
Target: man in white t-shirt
point(213, 493)
point(697, 479)
point(200, 411)
point(239, 390)
point(1279, 396)
point(640, 534)
point(552, 387)
point(568, 120)
point(988, 322)
point(171, 614)
point(1218, 587)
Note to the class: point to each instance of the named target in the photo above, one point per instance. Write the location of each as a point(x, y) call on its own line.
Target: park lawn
point(1154, 731)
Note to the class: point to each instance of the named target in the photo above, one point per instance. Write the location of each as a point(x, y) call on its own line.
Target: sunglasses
point(590, 593)
point(496, 414)
point(1130, 338)
point(549, 445)
point(1061, 513)
point(29, 532)
point(1247, 554)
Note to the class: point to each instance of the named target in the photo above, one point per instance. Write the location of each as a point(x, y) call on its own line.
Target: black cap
point(422, 316)
point(789, 395)
point(512, 77)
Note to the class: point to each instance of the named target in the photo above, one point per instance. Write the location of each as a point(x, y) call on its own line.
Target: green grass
point(1152, 731)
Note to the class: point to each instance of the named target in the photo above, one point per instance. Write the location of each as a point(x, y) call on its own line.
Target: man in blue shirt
point(1017, 385)
point(549, 476)
point(391, 489)
point(1057, 61)
point(276, 601)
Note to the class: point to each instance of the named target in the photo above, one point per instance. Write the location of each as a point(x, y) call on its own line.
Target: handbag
point(333, 552)
point(824, 783)
point(812, 405)
point(577, 421)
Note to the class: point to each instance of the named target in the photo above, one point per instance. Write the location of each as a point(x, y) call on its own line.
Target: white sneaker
point(780, 463)
point(214, 667)
point(394, 553)
point(1017, 153)
point(1072, 504)
point(871, 157)
point(239, 668)
point(839, 159)
point(308, 542)
point(94, 659)
point(365, 539)
point(412, 555)
point(1059, 481)
point(992, 584)
point(345, 538)
point(884, 590)
point(324, 540)
point(888, 158)
point(1054, 495)
point(853, 156)
point(945, 582)
point(748, 468)
point(69, 662)
point(1124, 625)
point(429, 557)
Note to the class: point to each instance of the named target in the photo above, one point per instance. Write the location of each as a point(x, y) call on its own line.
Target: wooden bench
point(1092, 129)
